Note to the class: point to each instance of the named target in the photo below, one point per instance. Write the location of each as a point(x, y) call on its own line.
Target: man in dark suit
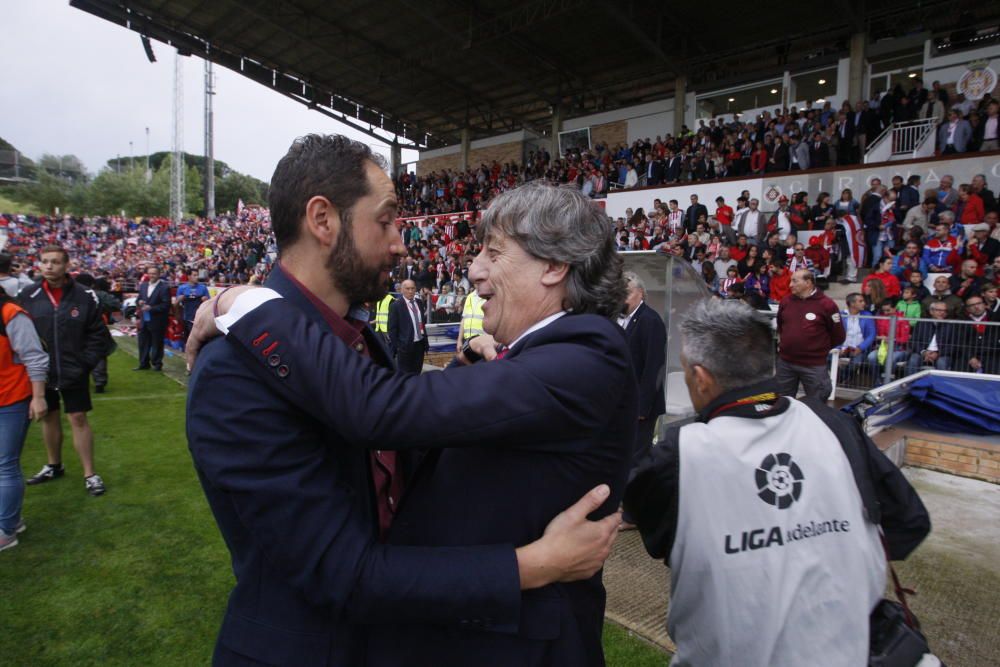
point(778, 158)
point(647, 343)
point(323, 539)
point(845, 138)
point(672, 172)
point(407, 330)
point(654, 170)
point(153, 307)
point(692, 213)
point(819, 152)
point(932, 341)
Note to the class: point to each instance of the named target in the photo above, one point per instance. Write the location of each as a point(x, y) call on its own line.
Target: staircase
point(904, 141)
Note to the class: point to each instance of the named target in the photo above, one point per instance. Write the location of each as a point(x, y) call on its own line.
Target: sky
point(76, 84)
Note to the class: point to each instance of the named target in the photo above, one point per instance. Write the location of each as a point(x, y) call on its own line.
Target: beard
point(358, 281)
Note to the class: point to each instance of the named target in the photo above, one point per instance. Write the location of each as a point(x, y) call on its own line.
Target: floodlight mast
point(177, 161)
point(209, 143)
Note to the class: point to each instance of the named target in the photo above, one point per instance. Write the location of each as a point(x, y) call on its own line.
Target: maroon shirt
point(388, 482)
point(808, 329)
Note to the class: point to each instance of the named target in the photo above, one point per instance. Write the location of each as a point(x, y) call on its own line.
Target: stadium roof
point(425, 69)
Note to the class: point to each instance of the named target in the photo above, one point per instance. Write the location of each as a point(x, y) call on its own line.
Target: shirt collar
point(632, 314)
point(541, 324)
point(741, 402)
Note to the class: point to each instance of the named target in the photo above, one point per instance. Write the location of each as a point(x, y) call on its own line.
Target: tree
point(64, 166)
point(48, 194)
point(235, 186)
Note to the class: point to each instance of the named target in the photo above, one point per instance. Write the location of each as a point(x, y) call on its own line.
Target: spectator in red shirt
point(724, 214)
point(758, 159)
point(884, 273)
point(780, 285)
point(970, 209)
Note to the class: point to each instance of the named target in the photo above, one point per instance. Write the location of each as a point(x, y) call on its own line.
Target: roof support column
point(395, 157)
point(557, 121)
point(464, 160)
point(856, 76)
point(680, 103)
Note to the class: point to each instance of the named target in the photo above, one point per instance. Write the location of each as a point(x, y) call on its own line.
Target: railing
point(906, 140)
point(961, 348)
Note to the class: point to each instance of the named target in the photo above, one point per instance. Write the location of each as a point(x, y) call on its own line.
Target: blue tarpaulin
point(966, 405)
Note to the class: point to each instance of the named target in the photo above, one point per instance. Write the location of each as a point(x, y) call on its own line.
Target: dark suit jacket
point(401, 334)
point(691, 216)
point(780, 155)
point(819, 157)
point(673, 169)
point(293, 500)
point(647, 344)
point(926, 330)
point(530, 434)
point(654, 176)
point(159, 304)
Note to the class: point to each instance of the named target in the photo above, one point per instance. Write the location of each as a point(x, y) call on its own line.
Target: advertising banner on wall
point(768, 189)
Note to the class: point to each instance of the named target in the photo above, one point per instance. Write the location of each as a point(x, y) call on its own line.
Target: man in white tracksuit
point(772, 538)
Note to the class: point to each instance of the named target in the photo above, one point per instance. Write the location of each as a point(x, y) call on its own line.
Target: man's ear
point(554, 273)
point(322, 221)
point(704, 381)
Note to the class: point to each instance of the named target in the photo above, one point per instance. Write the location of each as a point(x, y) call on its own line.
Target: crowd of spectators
point(779, 141)
point(231, 249)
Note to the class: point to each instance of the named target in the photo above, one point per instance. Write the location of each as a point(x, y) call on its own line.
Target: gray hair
point(946, 215)
point(560, 224)
point(730, 340)
point(633, 280)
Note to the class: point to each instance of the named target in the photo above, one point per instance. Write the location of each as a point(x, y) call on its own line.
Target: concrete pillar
point(787, 90)
point(680, 103)
point(857, 67)
point(557, 121)
point(395, 157)
point(464, 160)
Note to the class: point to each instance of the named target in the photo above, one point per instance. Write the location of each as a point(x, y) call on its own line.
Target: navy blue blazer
point(158, 302)
point(529, 435)
point(647, 344)
point(294, 502)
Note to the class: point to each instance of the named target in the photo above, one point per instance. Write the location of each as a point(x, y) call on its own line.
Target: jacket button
point(282, 371)
point(273, 360)
point(359, 347)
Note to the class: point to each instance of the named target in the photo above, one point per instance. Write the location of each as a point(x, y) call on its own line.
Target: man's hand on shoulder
point(572, 547)
point(204, 328)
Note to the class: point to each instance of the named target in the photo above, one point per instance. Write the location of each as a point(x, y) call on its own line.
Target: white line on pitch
point(137, 398)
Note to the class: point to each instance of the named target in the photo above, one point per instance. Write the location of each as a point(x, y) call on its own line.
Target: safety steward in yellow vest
point(382, 317)
point(472, 318)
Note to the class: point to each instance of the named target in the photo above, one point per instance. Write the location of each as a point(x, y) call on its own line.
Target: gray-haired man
point(646, 337)
point(528, 434)
point(772, 542)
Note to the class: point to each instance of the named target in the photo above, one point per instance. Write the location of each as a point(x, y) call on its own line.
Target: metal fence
point(903, 346)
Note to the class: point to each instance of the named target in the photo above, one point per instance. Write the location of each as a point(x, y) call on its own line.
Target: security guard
point(772, 538)
point(472, 318)
point(382, 317)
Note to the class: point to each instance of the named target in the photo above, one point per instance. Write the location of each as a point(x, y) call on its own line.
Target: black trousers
point(100, 372)
point(643, 438)
point(643, 443)
point(410, 359)
point(151, 346)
